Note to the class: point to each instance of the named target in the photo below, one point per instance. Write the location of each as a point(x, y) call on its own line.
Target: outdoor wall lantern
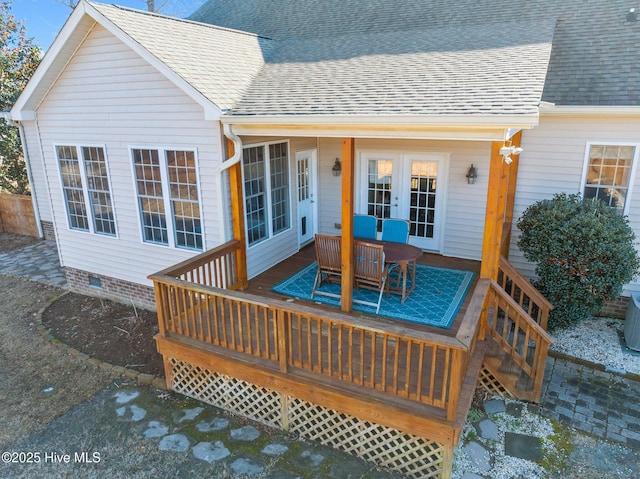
point(336, 168)
point(472, 174)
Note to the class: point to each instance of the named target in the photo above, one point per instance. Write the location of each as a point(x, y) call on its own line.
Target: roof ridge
point(178, 19)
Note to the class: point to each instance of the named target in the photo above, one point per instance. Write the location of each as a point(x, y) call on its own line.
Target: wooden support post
point(495, 213)
point(348, 166)
point(511, 190)
point(237, 212)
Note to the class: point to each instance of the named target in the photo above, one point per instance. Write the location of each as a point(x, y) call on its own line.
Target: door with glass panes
point(408, 186)
point(306, 165)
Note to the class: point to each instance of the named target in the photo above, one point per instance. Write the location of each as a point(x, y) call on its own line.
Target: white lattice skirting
point(410, 455)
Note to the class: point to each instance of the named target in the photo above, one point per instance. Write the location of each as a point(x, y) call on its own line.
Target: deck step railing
point(295, 339)
point(523, 292)
point(517, 321)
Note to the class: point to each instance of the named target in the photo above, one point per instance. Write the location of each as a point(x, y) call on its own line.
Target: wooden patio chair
point(329, 258)
point(365, 226)
point(369, 270)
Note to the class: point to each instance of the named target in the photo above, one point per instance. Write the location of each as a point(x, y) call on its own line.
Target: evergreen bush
point(584, 254)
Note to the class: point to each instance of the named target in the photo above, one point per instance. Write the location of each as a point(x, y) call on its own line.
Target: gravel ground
point(598, 340)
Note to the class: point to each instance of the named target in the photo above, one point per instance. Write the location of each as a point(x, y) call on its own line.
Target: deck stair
point(517, 341)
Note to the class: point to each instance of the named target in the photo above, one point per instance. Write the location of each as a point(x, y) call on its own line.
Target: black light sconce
point(336, 169)
point(472, 175)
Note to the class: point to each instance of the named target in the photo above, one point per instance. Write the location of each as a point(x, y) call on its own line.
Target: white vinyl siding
point(553, 161)
point(463, 222)
point(39, 187)
point(108, 95)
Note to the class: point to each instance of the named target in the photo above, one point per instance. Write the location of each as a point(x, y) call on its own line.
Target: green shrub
point(583, 251)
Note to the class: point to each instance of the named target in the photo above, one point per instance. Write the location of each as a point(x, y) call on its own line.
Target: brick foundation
point(48, 230)
point(125, 292)
point(615, 309)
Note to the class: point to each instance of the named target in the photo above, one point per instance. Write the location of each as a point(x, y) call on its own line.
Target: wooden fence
point(16, 215)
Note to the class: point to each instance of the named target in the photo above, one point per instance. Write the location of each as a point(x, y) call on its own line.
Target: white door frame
point(401, 189)
point(312, 155)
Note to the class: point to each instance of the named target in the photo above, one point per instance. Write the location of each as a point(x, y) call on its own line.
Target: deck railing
point(298, 340)
point(524, 293)
point(526, 342)
point(517, 321)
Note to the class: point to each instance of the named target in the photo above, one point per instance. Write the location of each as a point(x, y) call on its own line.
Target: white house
point(127, 119)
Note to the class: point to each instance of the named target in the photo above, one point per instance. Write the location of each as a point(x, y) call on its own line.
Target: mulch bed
point(116, 333)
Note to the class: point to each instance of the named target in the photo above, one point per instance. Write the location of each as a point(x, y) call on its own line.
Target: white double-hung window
point(608, 173)
point(86, 189)
point(168, 197)
point(266, 190)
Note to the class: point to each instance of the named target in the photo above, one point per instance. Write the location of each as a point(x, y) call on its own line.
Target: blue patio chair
point(365, 226)
point(395, 230)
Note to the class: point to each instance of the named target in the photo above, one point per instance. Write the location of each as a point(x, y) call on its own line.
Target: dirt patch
point(113, 332)
point(38, 381)
point(11, 241)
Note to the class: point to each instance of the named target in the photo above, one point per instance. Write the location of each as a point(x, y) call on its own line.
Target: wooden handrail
point(215, 267)
point(524, 293)
point(519, 335)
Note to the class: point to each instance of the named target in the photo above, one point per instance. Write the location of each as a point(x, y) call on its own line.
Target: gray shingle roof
point(594, 61)
point(417, 72)
point(218, 62)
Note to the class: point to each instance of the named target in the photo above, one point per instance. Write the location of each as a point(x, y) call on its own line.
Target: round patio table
point(405, 256)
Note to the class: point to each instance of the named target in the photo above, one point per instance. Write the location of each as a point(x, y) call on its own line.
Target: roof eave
point(588, 110)
point(442, 127)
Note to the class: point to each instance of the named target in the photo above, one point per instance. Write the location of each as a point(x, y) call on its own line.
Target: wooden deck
point(414, 379)
point(261, 285)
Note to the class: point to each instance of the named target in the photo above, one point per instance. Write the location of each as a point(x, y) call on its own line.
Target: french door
point(409, 186)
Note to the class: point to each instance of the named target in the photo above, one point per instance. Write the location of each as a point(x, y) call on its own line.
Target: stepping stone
point(217, 424)
point(478, 456)
point(307, 458)
point(188, 414)
point(174, 443)
point(471, 475)
point(131, 413)
point(155, 429)
point(488, 429)
point(246, 433)
point(523, 446)
point(209, 452)
point(494, 406)
point(275, 449)
point(244, 467)
point(124, 397)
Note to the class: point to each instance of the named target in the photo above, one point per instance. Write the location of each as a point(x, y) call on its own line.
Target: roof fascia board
point(19, 111)
point(589, 110)
point(434, 128)
point(386, 132)
point(433, 121)
point(211, 111)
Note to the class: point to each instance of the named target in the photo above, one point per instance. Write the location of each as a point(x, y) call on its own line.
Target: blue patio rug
point(435, 301)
